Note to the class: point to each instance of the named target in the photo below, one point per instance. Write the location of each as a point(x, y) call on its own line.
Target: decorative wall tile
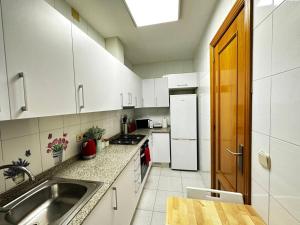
point(50, 159)
point(18, 128)
point(286, 33)
point(50, 123)
point(285, 104)
point(26, 148)
point(260, 200)
point(71, 120)
point(262, 49)
point(284, 182)
point(261, 101)
point(279, 216)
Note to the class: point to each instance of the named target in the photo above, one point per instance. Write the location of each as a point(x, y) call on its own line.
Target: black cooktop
point(129, 139)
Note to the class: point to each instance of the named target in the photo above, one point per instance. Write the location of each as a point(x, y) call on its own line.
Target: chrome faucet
point(25, 170)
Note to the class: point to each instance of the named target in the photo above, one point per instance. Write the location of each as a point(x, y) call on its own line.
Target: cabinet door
point(161, 92)
point(38, 44)
point(186, 80)
point(94, 73)
point(148, 93)
point(4, 102)
point(124, 190)
point(161, 147)
point(102, 212)
point(126, 79)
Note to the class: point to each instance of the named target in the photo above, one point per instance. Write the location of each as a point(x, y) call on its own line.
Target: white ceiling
point(163, 42)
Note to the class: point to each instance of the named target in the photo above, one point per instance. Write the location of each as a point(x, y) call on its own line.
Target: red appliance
point(88, 149)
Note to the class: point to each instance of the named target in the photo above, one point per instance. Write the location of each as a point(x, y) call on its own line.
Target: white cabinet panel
point(161, 148)
point(96, 75)
point(38, 43)
point(4, 102)
point(161, 92)
point(186, 80)
point(128, 86)
point(148, 93)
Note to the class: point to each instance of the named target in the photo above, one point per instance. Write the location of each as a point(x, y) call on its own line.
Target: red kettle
point(88, 149)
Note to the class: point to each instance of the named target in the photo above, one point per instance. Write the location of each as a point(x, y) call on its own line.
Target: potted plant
point(16, 174)
point(94, 133)
point(56, 147)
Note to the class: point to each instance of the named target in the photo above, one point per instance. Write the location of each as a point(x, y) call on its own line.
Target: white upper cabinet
point(161, 92)
point(96, 76)
point(39, 58)
point(155, 92)
point(4, 102)
point(186, 80)
point(148, 93)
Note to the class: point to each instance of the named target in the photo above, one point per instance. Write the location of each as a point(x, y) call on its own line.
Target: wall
point(155, 70)
point(115, 47)
point(276, 105)
point(276, 110)
point(201, 64)
point(28, 139)
point(155, 114)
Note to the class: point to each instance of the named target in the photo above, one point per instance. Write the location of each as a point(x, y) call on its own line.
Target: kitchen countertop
point(184, 211)
point(105, 167)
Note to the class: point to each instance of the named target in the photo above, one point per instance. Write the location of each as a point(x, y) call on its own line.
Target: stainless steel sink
point(55, 201)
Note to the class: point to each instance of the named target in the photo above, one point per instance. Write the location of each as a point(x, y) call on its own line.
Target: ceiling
point(156, 43)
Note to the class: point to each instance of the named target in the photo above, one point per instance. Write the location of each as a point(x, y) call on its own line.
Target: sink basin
point(55, 201)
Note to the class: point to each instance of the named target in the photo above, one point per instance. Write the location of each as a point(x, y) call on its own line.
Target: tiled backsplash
point(155, 114)
point(28, 139)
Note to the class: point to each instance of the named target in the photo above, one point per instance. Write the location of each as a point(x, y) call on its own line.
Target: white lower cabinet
point(161, 148)
point(118, 205)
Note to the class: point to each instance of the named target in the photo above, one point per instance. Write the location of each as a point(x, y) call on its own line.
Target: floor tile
point(170, 184)
point(161, 199)
point(152, 182)
point(167, 172)
point(142, 217)
point(155, 171)
point(190, 182)
point(158, 218)
point(147, 200)
point(190, 174)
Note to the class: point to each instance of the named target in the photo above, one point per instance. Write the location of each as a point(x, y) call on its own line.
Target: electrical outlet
point(79, 137)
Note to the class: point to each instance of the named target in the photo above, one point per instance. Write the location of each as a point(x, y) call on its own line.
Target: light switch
point(264, 160)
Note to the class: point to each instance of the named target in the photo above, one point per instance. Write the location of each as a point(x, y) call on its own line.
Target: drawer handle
point(25, 106)
point(116, 198)
point(182, 85)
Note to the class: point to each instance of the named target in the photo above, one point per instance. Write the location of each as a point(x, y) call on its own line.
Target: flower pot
point(99, 145)
point(57, 157)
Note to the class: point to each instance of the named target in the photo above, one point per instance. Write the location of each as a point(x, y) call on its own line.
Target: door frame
point(234, 12)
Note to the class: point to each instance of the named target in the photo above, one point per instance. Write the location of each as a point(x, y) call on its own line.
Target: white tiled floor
point(161, 184)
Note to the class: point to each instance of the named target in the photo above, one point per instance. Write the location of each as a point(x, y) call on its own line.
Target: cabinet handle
point(128, 98)
point(136, 101)
point(116, 198)
point(25, 106)
point(82, 96)
point(155, 101)
point(131, 99)
point(121, 96)
point(182, 85)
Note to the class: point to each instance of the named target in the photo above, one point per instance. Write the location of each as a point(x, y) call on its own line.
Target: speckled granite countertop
point(105, 167)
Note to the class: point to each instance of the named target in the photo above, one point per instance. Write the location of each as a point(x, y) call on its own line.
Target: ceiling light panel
point(149, 12)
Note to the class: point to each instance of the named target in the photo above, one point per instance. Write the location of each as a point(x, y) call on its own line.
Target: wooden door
point(38, 46)
point(231, 105)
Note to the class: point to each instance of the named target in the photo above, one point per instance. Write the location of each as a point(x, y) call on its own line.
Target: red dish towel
point(147, 155)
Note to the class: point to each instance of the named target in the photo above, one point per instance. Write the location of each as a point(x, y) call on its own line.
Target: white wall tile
point(50, 123)
point(16, 148)
point(286, 41)
point(284, 182)
point(285, 105)
point(261, 9)
point(18, 128)
point(260, 143)
point(73, 147)
point(71, 120)
point(260, 201)
point(261, 105)
point(279, 216)
point(262, 49)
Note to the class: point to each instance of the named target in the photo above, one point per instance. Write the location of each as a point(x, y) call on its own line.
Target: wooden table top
point(184, 211)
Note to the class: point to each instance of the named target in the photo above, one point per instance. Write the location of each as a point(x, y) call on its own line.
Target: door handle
point(233, 153)
point(82, 96)
point(116, 198)
point(25, 106)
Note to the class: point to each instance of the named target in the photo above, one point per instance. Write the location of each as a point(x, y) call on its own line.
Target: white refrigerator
point(183, 115)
